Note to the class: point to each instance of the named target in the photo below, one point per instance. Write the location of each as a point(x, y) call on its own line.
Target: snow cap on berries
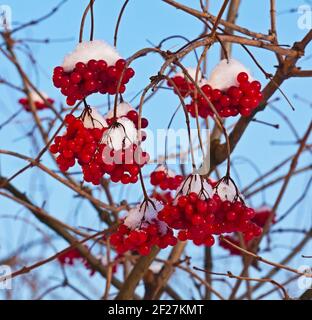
point(224, 75)
point(169, 172)
point(94, 120)
point(35, 97)
point(147, 211)
point(122, 109)
point(195, 184)
point(226, 190)
point(192, 72)
point(121, 135)
point(134, 217)
point(88, 50)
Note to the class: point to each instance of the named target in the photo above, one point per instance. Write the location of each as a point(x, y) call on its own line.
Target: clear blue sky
point(145, 21)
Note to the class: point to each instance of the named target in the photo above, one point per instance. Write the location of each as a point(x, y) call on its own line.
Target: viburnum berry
point(93, 67)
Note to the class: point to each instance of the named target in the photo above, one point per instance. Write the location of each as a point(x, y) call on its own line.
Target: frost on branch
point(224, 75)
point(88, 50)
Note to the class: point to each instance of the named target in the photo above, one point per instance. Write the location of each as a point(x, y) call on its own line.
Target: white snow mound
point(226, 191)
point(88, 50)
point(225, 73)
point(147, 211)
point(95, 120)
point(35, 97)
point(122, 135)
point(122, 109)
point(196, 185)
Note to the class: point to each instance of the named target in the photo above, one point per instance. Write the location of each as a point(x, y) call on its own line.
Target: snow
point(122, 135)
point(96, 120)
point(151, 212)
point(88, 50)
point(226, 191)
point(147, 211)
point(225, 73)
point(169, 172)
point(35, 97)
point(156, 266)
point(195, 184)
point(122, 109)
point(134, 218)
point(192, 73)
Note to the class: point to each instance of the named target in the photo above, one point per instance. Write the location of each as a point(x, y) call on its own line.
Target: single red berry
point(120, 64)
point(242, 77)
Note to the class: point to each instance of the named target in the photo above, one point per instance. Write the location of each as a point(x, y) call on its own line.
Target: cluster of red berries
point(78, 143)
point(241, 99)
point(71, 256)
point(96, 159)
point(198, 219)
point(124, 165)
point(181, 85)
point(141, 240)
point(260, 219)
point(162, 179)
point(40, 105)
point(95, 76)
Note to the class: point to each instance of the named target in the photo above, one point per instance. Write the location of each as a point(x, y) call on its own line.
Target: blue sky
point(144, 22)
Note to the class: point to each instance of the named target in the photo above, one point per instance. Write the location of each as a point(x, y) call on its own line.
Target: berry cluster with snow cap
point(199, 212)
point(230, 88)
point(165, 178)
point(122, 141)
point(100, 148)
point(93, 67)
point(39, 103)
point(141, 230)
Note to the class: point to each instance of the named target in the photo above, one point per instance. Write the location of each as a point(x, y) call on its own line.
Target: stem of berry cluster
point(83, 19)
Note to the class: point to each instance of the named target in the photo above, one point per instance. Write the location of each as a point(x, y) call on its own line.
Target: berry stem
point(90, 6)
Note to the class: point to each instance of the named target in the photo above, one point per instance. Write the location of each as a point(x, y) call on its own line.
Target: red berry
point(242, 77)
point(75, 77)
point(120, 64)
